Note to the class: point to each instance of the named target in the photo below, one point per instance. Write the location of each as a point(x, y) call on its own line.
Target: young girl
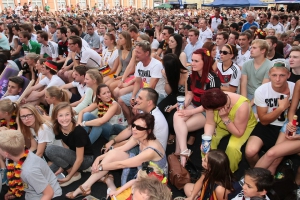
point(53, 96)
point(77, 153)
point(109, 113)
point(217, 180)
point(31, 123)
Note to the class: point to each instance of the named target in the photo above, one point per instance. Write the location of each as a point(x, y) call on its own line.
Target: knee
point(251, 151)
point(49, 151)
point(271, 154)
point(120, 101)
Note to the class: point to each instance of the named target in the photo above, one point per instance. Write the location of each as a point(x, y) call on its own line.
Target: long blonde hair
point(95, 75)
point(60, 94)
point(39, 121)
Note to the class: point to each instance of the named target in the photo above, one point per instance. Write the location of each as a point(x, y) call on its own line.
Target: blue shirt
point(247, 25)
point(4, 44)
point(189, 50)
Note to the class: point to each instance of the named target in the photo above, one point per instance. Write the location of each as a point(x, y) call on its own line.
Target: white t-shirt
point(51, 49)
point(89, 57)
point(230, 77)
point(55, 81)
point(81, 88)
point(242, 58)
point(46, 29)
point(45, 134)
point(85, 44)
point(265, 96)
point(154, 44)
point(153, 70)
point(206, 34)
point(13, 98)
point(279, 28)
point(109, 57)
point(161, 129)
point(240, 196)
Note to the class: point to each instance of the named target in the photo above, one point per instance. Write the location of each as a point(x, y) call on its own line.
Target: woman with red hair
point(192, 117)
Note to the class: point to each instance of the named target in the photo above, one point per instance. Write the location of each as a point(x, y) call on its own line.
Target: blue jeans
point(97, 130)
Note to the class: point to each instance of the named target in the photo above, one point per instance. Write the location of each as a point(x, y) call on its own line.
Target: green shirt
point(255, 77)
point(47, 8)
point(33, 47)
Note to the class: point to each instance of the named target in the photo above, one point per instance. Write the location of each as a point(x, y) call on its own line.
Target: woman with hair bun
point(228, 113)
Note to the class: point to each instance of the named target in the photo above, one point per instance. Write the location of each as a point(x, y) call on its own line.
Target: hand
point(9, 196)
point(284, 103)
point(293, 137)
point(121, 84)
point(60, 170)
point(132, 102)
point(185, 113)
point(291, 128)
point(95, 167)
point(171, 108)
point(113, 193)
point(108, 145)
point(67, 178)
point(223, 112)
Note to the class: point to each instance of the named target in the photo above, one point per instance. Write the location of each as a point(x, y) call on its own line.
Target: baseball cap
point(280, 63)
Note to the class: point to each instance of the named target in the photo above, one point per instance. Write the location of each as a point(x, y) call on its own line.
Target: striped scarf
point(103, 107)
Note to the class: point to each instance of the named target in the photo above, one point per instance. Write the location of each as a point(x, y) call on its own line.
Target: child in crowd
point(31, 174)
point(214, 183)
point(257, 183)
point(15, 86)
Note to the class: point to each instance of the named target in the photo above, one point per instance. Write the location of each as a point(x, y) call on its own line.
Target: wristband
point(227, 122)
point(83, 124)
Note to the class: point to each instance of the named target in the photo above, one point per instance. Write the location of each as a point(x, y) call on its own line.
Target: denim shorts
point(283, 128)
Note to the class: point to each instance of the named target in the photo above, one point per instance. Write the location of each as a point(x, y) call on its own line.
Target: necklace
point(15, 183)
point(65, 134)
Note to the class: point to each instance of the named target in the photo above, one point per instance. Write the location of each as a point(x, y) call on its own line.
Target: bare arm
point(229, 89)
point(295, 101)
point(48, 193)
point(244, 82)
point(210, 124)
point(78, 161)
point(41, 149)
point(90, 108)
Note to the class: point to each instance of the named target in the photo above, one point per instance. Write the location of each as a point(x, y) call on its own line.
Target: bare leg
point(253, 146)
point(112, 156)
point(183, 125)
point(125, 109)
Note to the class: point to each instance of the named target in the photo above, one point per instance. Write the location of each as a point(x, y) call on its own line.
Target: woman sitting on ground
point(148, 147)
point(228, 113)
point(32, 124)
point(76, 153)
point(192, 117)
point(109, 113)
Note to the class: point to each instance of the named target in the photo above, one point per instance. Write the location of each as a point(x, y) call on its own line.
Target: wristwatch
point(227, 122)
point(100, 168)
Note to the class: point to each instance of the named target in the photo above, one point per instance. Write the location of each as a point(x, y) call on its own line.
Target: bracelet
point(227, 122)
point(83, 124)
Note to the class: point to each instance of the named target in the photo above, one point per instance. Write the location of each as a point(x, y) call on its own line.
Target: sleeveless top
point(251, 121)
point(125, 62)
point(162, 163)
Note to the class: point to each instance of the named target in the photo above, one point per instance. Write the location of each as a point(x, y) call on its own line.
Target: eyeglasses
point(24, 117)
point(139, 128)
point(224, 52)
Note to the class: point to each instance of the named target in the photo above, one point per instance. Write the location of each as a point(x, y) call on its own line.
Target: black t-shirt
point(277, 55)
point(38, 27)
point(213, 81)
point(293, 78)
point(77, 138)
point(63, 48)
point(161, 45)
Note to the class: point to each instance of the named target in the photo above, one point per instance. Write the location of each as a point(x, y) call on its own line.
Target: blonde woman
point(30, 63)
point(32, 124)
point(92, 80)
point(158, 31)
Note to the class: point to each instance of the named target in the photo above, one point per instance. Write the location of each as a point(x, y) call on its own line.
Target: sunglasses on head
point(224, 52)
point(139, 128)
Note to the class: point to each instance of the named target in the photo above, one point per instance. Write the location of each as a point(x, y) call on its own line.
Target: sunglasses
point(224, 52)
point(139, 128)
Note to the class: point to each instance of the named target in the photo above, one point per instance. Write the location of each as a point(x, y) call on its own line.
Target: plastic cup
point(180, 102)
point(206, 140)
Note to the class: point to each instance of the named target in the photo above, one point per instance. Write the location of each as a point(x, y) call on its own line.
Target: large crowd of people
point(115, 75)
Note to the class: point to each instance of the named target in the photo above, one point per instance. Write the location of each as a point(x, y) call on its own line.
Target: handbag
point(178, 175)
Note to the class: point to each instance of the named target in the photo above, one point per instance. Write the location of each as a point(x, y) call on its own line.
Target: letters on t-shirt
point(144, 73)
point(272, 102)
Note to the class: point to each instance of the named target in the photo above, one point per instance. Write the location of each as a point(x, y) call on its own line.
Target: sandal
point(83, 194)
point(180, 198)
point(186, 153)
point(105, 178)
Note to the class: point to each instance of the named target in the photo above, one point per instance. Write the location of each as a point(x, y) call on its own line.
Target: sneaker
point(3, 173)
point(73, 179)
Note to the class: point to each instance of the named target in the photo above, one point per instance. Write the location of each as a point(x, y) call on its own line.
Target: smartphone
point(60, 176)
